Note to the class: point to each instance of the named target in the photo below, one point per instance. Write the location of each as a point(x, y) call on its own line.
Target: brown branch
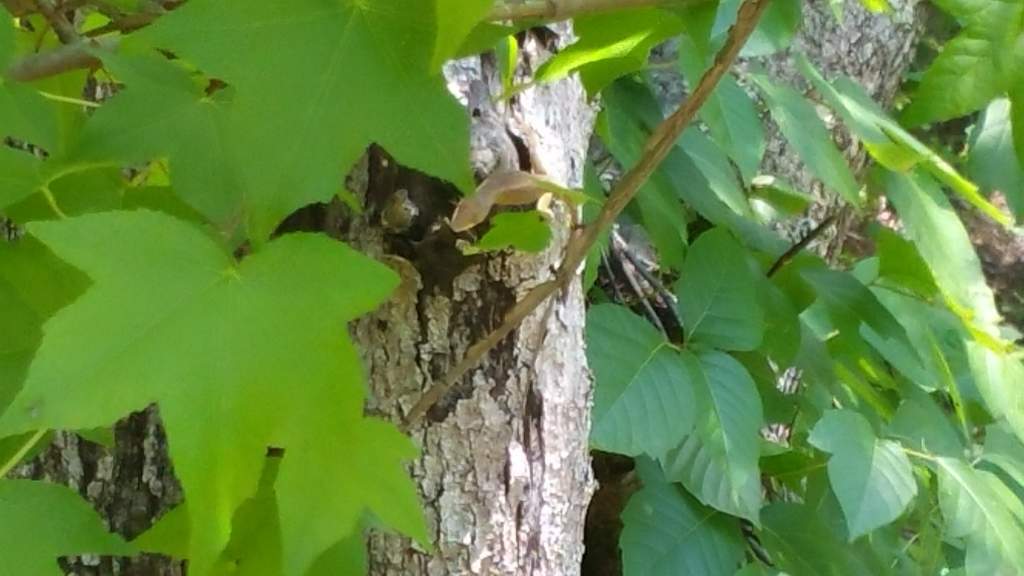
point(796, 248)
point(65, 31)
point(656, 149)
point(59, 60)
point(564, 10)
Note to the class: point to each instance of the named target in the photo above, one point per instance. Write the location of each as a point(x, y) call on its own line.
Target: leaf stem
point(52, 201)
point(25, 449)
point(921, 455)
point(68, 100)
point(657, 147)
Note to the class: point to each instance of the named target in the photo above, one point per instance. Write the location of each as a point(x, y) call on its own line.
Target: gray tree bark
point(504, 471)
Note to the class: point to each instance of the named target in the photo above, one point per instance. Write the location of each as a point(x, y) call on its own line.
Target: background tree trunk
point(504, 472)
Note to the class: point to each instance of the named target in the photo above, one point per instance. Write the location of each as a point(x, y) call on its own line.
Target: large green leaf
point(24, 114)
point(977, 509)
point(33, 285)
point(982, 61)
point(1000, 379)
point(871, 478)
point(801, 544)
point(806, 132)
point(888, 142)
point(455, 20)
point(934, 227)
point(643, 399)
point(993, 162)
point(260, 358)
point(610, 45)
point(666, 532)
point(923, 426)
point(717, 170)
point(718, 299)
point(188, 126)
point(275, 55)
point(850, 303)
point(19, 175)
point(40, 522)
point(718, 462)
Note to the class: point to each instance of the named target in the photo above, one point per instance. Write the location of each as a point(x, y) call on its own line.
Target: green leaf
point(1017, 120)
point(525, 231)
point(455, 19)
point(805, 131)
point(667, 532)
point(975, 66)
point(779, 195)
point(715, 166)
point(33, 285)
point(19, 175)
point(899, 262)
point(801, 544)
point(275, 55)
point(888, 142)
point(849, 303)
point(610, 45)
point(372, 474)
point(871, 478)
point(718, 462)
point(774, 33)
point(266, 357)
point(187, 126)
point(993, 163)
point(999, 378)
point(934, 227)
point(622, 130)
point(630, 113)
point(923, 426)
point(7, 45)
point(643, 399)
point(40, 522)
point(729, 112)
point(976, 507)
point(718, 299)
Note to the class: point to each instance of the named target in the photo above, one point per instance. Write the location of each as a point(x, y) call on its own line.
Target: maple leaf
point(40, 522)
point(238, 356)
point(315, 82)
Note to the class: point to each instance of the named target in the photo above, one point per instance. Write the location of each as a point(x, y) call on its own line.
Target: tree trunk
point(504, 471)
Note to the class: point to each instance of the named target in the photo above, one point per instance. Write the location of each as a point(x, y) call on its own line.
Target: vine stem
point(25, 449)
point(656, 149)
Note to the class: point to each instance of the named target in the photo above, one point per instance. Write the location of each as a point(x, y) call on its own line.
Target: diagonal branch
point(656, 149)
point(566, 9)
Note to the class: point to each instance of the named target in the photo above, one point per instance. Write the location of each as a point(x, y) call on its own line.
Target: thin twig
point(638, 290)
point(60, 60)
point(656, 149)
point(796, 248)
point(61, 26)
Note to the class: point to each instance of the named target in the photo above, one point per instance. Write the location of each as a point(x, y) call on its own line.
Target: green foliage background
point(902, 451)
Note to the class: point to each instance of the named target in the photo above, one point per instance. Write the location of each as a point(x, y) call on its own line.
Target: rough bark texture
point(504, 471)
